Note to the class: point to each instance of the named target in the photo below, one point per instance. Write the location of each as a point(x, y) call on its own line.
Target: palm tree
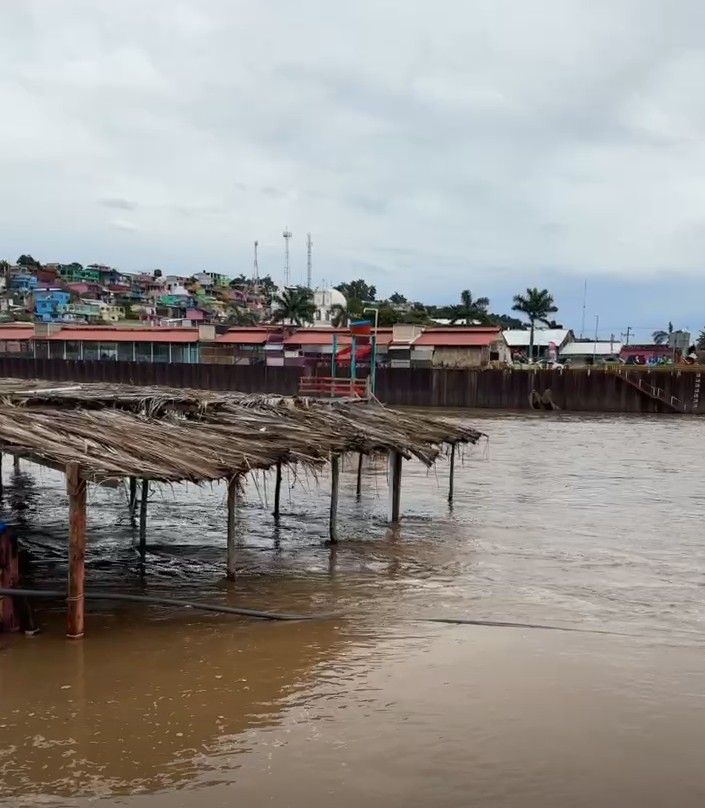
point(469, 310)
point(4, 266)
point(660, 337)
point(340, 316)
point(536, 305)
point(294, 306)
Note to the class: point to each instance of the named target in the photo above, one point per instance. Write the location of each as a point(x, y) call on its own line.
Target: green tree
point(535, 305)
point(358, 290)
point(700, 344)
point(387, 315)
point(294, 306)
point(27, 261)
point(505, 321)
point(470, 310)
point(416, 315)
point(240, 315)
point(397, 299)
point(340, 316)
point(4, 266)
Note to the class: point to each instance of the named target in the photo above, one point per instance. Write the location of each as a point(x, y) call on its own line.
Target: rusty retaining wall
point(572, 390)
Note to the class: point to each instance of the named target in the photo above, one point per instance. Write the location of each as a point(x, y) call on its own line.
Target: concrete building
point(519, 340)
point(585, 354)
point(460, 347)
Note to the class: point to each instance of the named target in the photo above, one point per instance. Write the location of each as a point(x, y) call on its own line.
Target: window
point(108, 350)
point(143, 351)
point(73, 350)
point(91, 351)
point(126, 351)
point(161, 352)
point(177, 353)
point(41, 349)
point(56, 349)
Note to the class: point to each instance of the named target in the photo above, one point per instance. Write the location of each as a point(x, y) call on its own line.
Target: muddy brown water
point(594, 523)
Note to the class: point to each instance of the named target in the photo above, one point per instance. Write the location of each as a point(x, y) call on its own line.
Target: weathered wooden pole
point(132, 507)
point(0, 474)
point(451, 482)
point(16, 463)
point(334, 484)
point(9, 579)
point(277, 491)
point(143, 522)
point(232, 511)
point(358, 486)
point(76, 489)
point(395, 460)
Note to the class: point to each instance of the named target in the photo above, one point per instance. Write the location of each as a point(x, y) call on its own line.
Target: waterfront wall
point(509, 389)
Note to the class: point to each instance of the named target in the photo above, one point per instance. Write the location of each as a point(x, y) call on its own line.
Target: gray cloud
point(118, 204)
point(557, 135)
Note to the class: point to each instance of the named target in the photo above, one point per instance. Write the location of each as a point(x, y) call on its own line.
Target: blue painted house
point(48, 303)
point(22, 282)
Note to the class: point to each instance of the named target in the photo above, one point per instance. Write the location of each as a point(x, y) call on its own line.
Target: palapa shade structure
point(100, 433)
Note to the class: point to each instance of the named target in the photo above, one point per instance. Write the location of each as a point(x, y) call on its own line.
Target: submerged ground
point(593, 523)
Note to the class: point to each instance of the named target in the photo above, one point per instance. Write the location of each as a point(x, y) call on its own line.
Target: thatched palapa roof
point(166, 435)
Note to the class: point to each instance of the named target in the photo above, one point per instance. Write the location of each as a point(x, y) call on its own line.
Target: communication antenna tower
point(309, 263)
point(255, 266)
point(287, 235)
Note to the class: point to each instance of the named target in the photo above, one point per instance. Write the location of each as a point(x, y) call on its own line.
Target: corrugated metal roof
point(519, 338)
point(254, 337)
point(458, 337)
point(16, 333)
point(125, 335)
point(317, 336)
point(590, 348)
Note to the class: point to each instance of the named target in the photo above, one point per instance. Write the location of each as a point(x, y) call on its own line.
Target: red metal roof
point(321, 336)
point(16, 332)
point(458, 337)
point(255, 336)
point(107, 334)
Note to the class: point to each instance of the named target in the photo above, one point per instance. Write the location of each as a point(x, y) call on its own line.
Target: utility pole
point(626, 335)
point(287, 235)
point(309, 263)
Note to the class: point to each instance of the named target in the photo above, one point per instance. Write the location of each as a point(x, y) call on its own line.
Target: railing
point(654, 392)
point(333, 387)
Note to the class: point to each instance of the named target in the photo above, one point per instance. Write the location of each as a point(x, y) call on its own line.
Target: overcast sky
point(428, 146)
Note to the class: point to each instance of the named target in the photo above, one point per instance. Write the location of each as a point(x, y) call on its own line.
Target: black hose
point(205, 607)
point(265, 615)
point(463, 621)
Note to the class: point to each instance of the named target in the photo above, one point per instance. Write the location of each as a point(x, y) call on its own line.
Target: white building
point(519, 339)
point(588, 353)
point(327, 303)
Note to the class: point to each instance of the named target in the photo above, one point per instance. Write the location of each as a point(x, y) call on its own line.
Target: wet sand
point(590, 523)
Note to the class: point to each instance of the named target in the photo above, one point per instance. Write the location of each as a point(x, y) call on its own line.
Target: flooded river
point(595, 524)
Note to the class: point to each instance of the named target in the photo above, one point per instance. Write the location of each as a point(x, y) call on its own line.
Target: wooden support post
point(277, 491)
point(76, 489)
point(1, 474)
point(143, 522)
point(16, 464)
point(395, 460)
point(132, 506)
point(334, 484)
point(358, 487)
point(232, 511)
point(9, 579)
point(451, 482)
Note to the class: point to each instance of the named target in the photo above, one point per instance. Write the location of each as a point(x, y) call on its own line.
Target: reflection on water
point(580, 522)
